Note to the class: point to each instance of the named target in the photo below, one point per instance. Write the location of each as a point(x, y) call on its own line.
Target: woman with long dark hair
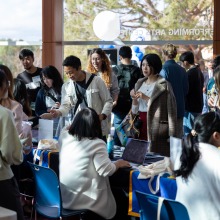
point(49, 96)
point(198, 177)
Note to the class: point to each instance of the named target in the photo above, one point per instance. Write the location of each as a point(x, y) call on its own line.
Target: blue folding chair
point(47, 200)
point(176, 210)
point(148, 206)
point(169, 210)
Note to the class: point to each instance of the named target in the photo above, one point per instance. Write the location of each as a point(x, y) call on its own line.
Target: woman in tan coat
point(153, 98)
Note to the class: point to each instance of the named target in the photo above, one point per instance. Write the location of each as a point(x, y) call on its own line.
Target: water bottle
point(110, 146)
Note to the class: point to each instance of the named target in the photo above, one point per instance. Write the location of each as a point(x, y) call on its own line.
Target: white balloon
point(106, 25)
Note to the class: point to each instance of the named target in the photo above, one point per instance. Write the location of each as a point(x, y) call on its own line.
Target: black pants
point(10, 196)
point(119, 182)
point(91, 216)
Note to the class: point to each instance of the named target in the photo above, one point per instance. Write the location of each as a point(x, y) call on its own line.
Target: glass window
point(21, 20)
point(21, 27)
point(139, 20)
point(144, 25)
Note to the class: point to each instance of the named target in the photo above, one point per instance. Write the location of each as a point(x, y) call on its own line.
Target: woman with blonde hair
point(99, 64)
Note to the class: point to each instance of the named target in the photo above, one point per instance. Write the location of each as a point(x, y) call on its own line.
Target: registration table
point(124, 183)
point(167, 190)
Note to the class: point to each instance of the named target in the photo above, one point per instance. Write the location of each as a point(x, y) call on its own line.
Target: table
point(6, 214)
point(167, 190)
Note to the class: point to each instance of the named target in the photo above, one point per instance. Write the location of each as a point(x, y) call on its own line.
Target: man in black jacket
point(127, 75)
point(194, 98)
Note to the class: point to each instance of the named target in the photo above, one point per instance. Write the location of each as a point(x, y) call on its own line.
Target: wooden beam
point(52, 33)
point(216, 31)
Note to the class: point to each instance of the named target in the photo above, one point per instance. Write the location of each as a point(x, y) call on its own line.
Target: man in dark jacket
point(194, 98)
point(127, 75)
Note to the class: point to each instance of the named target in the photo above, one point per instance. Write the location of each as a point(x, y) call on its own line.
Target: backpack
point(127, 76)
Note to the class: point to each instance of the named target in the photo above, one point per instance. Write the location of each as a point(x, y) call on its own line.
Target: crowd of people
point(171, 99)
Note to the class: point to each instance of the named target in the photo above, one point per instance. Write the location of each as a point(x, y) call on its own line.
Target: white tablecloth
point(6, 214)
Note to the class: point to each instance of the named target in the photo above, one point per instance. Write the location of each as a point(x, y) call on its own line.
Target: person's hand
point(26, 149)
point(48, 116)
point(211, 102)
point(102, 117)
point(141, 95)
point(114, 104)
point(55, 113)
point(56, 105)
point(122, 163)
point(133, 94)
point(21, 136)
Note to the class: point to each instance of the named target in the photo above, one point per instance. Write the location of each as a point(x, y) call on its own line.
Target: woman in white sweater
point(198, 178)
point(85, 166)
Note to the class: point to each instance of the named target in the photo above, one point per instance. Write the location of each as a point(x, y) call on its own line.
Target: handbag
point(129, 128)
point(41, 153)
point(158, 169)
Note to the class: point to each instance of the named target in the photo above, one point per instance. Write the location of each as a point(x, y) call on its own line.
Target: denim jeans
point(118, 118)
point(205, 104)
point(188, 121)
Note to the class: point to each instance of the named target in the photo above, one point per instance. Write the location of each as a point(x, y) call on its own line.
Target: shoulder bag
point(80, 96)
point(129, 128)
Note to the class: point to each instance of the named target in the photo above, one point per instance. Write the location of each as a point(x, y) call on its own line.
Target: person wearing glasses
point(198, 177)
point(75, 95)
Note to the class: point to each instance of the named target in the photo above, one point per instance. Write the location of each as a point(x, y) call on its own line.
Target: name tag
point(33, 85)
point(36, 79)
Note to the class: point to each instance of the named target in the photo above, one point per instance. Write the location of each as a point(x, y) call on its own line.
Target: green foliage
point(162, 16)
point(165, 20)
point(9, 57)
